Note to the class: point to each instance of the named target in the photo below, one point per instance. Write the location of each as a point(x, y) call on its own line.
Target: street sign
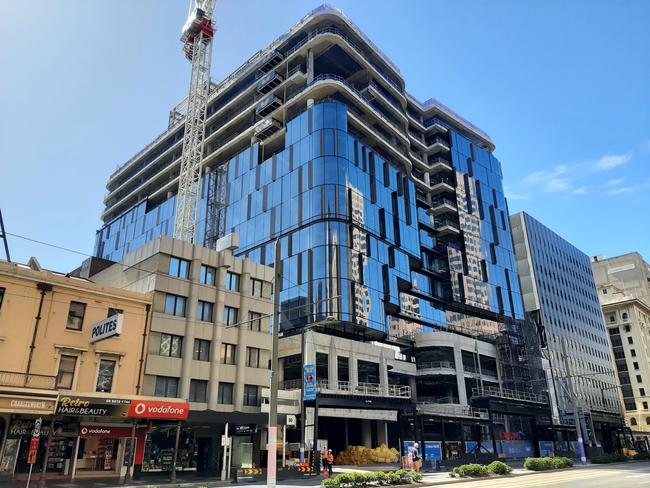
point(309, 377)
point(291, 420)
point(37, 427)
point(33, 450)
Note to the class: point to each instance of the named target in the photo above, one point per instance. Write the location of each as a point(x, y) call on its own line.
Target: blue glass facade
point(349, 227)
point(484, 272)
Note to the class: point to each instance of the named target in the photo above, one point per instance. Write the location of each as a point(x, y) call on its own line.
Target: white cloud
point(580, 191)
point(557, 184)
point(628, 189)
point(615, 181)
point(610, 162)
point(518, 196)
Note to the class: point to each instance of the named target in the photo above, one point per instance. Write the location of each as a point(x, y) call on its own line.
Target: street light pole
point(581, 445)
point(271, 469)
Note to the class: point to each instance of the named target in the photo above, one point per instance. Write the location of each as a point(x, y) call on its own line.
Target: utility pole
point(3, 236)
point(581, 445)
point(272, 444)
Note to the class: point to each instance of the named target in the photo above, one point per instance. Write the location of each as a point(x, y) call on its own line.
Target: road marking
point(638, 475)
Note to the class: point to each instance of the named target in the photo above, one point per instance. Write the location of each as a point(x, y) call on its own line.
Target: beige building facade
point(209, 342)
point(72, 353)
point(628, 324)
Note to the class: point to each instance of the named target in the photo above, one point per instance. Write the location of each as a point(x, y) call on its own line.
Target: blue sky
point(563, 88)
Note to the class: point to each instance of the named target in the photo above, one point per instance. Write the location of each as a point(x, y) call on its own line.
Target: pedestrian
point(323, 458)
point(330, 462)
point(416, 458)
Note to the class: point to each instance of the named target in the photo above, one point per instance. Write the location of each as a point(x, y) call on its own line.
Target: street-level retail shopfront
point(19, 407)
point(91, 435)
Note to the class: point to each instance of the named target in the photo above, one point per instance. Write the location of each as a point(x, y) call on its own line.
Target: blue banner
point(309, 380)
point(546, 448)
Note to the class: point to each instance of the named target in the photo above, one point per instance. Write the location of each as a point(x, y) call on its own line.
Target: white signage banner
point(106, 328)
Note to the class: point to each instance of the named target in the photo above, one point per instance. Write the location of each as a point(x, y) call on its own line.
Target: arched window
point(632, 421)
point(612, 318)
point(624, 316)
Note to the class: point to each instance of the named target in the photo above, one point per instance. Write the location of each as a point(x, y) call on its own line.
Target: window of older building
point(624, 316)
point(65, 375)
point(166, 386)
point(257, 287)
point(207, 276)
point(105, 375)
point(2, 296)
point(171, 346)
point(198, 391)
point(630, 340)
point(627, 328)
point(114, 311)
point(639, 379)
point(252, 357)
point(232, 281)
point(201, 350)
point(175, 305)
point(255, 321)
point(76, 316)
point(179, 268)
point(230, 315)
point(225, 393)
point(632, 421)
point(228, 352)
point(204, 311)
point(251, 396)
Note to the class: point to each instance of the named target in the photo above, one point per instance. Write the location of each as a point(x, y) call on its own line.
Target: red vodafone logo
point(159, 410)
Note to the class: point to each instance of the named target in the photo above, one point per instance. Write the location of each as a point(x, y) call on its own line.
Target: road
point(631, 475)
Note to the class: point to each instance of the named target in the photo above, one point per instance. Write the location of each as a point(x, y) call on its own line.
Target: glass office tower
point(561, 295)
point(389, 211)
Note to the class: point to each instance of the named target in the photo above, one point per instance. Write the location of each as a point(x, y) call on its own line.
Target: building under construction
point(400, 281)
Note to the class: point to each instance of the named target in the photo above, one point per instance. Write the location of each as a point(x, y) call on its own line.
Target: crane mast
point(197, 36)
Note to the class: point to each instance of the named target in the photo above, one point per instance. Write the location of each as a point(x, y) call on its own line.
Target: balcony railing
point(441, 223)
point(435, 365)
point(483, 371)
point(338, 32)
point(291, 384)
point(440, 179)
point(492, 391)
point(437, 202)
point(44, 382)
point(453, 410)
point(363, 389)
point(437, 140)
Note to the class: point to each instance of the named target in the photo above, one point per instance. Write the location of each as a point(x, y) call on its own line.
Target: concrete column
point(460, 376)
point(190, 318)
point(413, 383)
point(310, 348)
point(382, 432)
point(245, 288)
point(383, 373)
point(310, 66)
point(366, 433)
point(354, 371)
point(213, 385)
point(333, 364)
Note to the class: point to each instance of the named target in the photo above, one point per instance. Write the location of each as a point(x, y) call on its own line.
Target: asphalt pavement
point(634, 474)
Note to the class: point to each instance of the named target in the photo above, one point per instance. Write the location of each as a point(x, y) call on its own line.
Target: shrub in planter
point(539, 464)
point(345, 479)
point(498, 467)
point(393, 479)
point(609, 458)
point(562, 462)
point(380, 477)
point(471, 471)
point(330, 483)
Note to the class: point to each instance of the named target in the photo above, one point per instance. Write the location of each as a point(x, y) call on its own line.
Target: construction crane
point(198, 33)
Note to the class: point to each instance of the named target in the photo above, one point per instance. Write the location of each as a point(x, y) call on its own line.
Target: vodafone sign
point(159, 410)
